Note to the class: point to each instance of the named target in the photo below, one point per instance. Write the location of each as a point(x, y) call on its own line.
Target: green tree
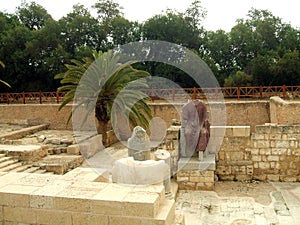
point(238, 79)
point(33, 15)
point(120, 87)
point(1, 81)
point(79, 30)
point(286, 71)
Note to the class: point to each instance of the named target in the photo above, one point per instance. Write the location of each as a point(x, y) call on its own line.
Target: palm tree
point(105, 86)
point(2, 81)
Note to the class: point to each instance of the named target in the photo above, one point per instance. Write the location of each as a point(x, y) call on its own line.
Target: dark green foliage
point(34, 47)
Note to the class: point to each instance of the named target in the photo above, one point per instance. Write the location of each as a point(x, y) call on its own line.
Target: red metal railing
point(168, 94)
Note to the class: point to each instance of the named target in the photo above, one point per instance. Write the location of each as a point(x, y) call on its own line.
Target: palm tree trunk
point(102, 129)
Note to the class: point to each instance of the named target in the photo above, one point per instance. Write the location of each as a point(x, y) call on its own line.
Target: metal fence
point(169, 94)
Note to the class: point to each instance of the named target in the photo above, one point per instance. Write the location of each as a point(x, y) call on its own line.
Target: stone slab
point(25, 152)
point(208, 163)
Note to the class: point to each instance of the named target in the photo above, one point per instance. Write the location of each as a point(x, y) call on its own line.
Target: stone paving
point(208, 208)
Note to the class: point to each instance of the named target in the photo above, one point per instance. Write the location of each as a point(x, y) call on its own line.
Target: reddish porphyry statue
point(196, 127)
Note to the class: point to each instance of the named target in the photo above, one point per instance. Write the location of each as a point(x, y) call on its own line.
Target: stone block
point(86, 174)
point(262, 129)
point(256, 136)
point(282, 144)
point(263, 144)
point(181, 179)
point(186, 185)
point(249, 170)
point(274, 178)
point(130, 171)
point(264, 165)
point(73, 149)
point(50, 217)
point(273, 158)
point(261, 177)
point(21, 215)
point(265, 151)
point(88, 219)
point(30, 153)
point(284, 178)
point(256, 158)
point(223, 170)
point(1, 213)
point(36, 180)
point(141, 204)
point(14, 199)
point(237, 156)
point(296, 152)
point(241, 131)
point(114, 220)
point(279, 151)
point(68, 202)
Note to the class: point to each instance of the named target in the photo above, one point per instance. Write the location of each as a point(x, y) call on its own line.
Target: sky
point(221, 14)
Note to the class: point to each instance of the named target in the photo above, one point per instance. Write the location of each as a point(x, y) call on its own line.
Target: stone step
point(7, 163)
point(166, 213)
point(40, 171)
point(4, 159)
point(2, 155)
point(31, 169)
point(20, 169)
point(11, 167)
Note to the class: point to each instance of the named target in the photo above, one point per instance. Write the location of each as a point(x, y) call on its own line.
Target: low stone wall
point(284, 112)
point(237, 113)
point(69, 200)
point(271, 153)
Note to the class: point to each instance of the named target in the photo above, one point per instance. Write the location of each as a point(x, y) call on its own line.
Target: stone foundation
point(271, 153)
point(197, 175)
point(51, 199)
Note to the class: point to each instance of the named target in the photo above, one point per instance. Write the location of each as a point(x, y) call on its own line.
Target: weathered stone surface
point(139, 144)
point(130, 171)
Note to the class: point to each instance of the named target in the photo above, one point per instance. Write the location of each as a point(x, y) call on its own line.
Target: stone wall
point(71, 200)
point(284, 112)
point(238, 113)
point(270, 153)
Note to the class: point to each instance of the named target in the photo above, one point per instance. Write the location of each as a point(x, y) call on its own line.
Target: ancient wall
point(35, 114)
point(73, 199)
point(237, 113)
point(284, 112)
point(270, 153)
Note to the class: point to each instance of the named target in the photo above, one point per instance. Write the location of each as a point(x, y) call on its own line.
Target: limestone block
point(88, 219)
point(18, 214)
point(273, 158)
point(1, 213)
point(14, 199)
point(241, 131)
point(73, 149)
point(282, 144)
point(44, 197)
point(264, 165)
point(114, 220)
point(141, 204)
point(85, 174)
point(25, 152)
point(37, 180)
point(91, 146)
point(130, 171)
point(51, 217)
point(263, 144)
point(274, 178)
point(265, 151)
point(72, 201)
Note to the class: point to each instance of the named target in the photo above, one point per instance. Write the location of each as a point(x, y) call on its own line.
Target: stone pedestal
point(196, 175)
